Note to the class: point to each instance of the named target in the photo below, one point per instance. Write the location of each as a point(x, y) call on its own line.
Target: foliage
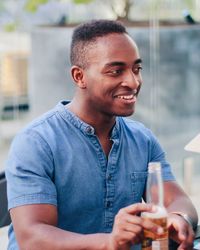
point(121, 8)
point(189, 3)
point(33, 5)
point(81, 1)
point(10, 27)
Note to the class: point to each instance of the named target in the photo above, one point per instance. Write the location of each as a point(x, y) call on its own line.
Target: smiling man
point(76, 176)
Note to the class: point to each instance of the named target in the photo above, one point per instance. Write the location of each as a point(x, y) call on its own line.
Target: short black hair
point(86, 34)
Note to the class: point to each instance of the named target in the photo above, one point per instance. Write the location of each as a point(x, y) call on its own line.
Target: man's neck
point(102, 123)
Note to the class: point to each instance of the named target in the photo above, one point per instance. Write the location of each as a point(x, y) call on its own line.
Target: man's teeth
point(126, 97)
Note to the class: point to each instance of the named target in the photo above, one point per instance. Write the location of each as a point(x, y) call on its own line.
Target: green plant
point(189, 3)
point(10, 27)
point(32, 5)
point(120, 8)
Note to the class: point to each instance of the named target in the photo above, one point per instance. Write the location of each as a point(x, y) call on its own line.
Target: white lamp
point(194, 145)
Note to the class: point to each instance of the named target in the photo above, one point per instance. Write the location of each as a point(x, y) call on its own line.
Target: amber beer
point(155, 196)
point(151, 240)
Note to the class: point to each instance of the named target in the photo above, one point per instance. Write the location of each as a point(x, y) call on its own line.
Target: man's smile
point(131, 97)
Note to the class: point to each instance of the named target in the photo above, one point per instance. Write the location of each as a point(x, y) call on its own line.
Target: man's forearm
point(183, 206)
point(42, 236)
point(176, 200)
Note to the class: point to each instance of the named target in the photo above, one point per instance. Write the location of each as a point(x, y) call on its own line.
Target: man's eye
point(137, 70)
point(115, 72)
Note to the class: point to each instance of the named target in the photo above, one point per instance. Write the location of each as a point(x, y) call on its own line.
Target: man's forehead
point(113, 48)
point(114, 38)
point(113, 43)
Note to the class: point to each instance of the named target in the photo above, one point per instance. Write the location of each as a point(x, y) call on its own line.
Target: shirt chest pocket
point(138, 184)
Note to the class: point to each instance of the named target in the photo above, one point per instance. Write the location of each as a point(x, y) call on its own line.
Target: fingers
point(128, 220)
point(137, 224)
point(187, 239)
point(138, 208)
point(135, 233)
point(128, 226)
point(181, 231)
point(150, 226)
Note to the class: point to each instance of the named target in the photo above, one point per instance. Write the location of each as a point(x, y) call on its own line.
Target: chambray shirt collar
point(83, 126)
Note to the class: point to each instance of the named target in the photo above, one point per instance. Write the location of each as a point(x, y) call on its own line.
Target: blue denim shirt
point(58, 160)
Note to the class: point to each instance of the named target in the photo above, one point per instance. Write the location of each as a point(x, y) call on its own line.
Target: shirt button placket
point(108, 203)
point(109, 216)
point(109, 177)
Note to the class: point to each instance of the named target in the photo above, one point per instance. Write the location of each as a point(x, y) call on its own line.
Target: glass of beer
point(151, 240)
point(154, 195)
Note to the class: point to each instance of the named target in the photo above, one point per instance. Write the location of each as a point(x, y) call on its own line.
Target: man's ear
point(78, 76)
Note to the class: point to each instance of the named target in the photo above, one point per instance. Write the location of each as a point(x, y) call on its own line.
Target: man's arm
point(36, 228)
point(176, 200)
point(179, 204)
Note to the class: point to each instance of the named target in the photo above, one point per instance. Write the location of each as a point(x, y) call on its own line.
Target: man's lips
point(127, 96)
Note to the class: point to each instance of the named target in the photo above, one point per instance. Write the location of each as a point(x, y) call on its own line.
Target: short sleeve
point(158, 155)
point(30, 171)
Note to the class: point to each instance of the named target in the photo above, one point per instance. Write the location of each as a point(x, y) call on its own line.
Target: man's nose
point(132, 80)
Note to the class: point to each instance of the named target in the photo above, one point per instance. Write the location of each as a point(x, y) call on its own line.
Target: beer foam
point(159, 213)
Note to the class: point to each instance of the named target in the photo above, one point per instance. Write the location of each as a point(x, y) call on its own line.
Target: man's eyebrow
point(111, 64)
point(118, 63)
point(138, 61)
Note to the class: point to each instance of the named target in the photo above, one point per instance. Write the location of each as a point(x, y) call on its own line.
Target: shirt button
point(109, 177)
point(89, 130)
point(108, 203)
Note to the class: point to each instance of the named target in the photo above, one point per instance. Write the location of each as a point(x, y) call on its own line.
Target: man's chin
point(126, 113)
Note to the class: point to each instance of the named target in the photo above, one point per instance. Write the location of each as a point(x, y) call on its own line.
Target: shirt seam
point(28, 195)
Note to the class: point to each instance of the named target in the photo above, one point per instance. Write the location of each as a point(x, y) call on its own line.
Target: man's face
point(112, 76)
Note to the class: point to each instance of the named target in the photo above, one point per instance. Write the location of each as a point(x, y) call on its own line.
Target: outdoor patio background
point(34, 75)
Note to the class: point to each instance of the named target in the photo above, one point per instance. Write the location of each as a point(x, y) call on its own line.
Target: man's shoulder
point(42, 132)
point(41, 121)
point(137, 129)
point(135, 125)
point(44, 123)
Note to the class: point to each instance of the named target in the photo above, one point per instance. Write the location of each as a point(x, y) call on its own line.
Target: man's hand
point(180, 231)
point(128, 226)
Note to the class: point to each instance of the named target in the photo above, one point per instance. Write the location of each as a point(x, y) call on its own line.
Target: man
point(76, 176)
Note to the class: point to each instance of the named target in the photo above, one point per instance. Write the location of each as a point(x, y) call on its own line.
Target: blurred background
point(35, 37)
